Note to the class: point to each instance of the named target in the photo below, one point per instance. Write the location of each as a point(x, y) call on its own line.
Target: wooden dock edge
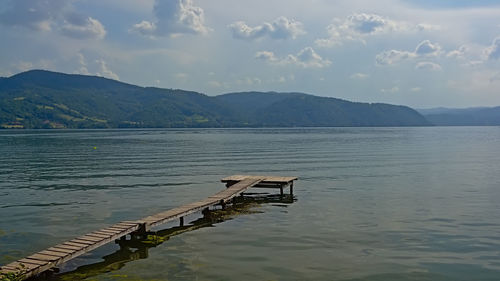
point(59, 254)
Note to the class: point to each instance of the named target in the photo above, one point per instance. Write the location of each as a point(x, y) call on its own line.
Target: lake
point(370, 204)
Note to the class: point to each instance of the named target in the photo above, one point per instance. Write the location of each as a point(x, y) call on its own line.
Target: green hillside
point(44, 99)
point(297, 109)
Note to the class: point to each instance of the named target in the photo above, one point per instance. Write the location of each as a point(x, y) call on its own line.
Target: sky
point(420, 53)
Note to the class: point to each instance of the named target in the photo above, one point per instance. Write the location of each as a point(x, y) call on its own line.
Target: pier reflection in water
point(136, 247)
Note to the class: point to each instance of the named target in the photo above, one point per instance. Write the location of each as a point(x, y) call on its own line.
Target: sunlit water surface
point(371, 203)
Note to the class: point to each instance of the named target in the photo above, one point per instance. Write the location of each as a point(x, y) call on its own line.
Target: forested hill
point(297, 109)
point(44, 99)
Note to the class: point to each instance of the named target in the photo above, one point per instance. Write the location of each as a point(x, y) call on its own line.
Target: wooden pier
point(61, 253)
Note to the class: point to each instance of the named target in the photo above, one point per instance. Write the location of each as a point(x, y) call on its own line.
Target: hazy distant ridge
point(474, 116)
point(43, 99)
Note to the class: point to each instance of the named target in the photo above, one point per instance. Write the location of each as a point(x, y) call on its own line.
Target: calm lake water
point(371, 203)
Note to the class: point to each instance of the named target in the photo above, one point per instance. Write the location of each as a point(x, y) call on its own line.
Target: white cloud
point(416, 89)
point(458, 53)
point(428, 27)
point(104, 71)
point(24, 65)
point(280, 28)
point(83, 70)
point(359, 76)
point(306, 58)
point(267, 56)
point(427, 65)
point(174, 17)
point(145, 27)
point(392, 90)
point(358, 26)
point(81, 59)
point(493, 52)
point(80, 27)
point(82, 65)
point(425, 49)
point(393, 57)
point(42, 15)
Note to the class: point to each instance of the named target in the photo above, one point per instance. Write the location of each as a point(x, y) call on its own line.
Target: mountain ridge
point(46, 99)
point(472, 116)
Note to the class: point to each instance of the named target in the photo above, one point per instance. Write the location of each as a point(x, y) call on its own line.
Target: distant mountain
point(44, 99)
point(297, 109)
point(474, 116)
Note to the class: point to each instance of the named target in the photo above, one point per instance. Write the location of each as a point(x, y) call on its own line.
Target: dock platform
point(54, 256)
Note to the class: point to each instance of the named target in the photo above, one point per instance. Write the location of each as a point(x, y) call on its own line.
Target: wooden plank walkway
point(59, 254)
point(266, 181)
point(56, 255)
point(220, 197)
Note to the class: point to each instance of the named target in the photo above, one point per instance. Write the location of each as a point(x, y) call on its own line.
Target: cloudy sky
point(421, 53)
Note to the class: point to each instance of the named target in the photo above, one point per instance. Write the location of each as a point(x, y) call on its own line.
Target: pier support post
point(223, 204)
point(181, 221)
point(205, 212)
point(291, 189)
point(281, 190)
point(143, 228)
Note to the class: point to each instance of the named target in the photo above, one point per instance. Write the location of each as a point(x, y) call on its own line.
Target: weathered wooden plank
point(32, 261)
point(20, 266)
point(64, 251)
point(43, 257)
point(206, 202)
point(7, 269)
point(107, 232)
point(79, 245)
point(52, 253)
point(186, 210)
point(123, 226)
point(84, 242)
point(265, 179)
point(119, 226)
point(67, 247)
point(90, 238)
point(120, 230)
point(97, 235)
point(193, 205)
point(129, 223)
